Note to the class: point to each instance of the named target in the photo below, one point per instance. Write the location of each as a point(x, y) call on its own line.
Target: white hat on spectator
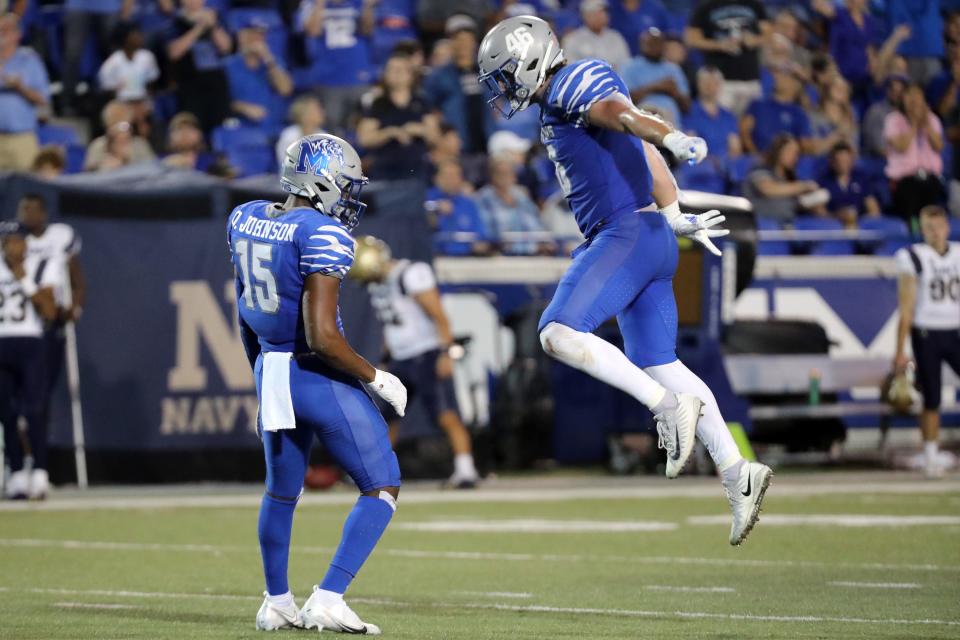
point(460, 22)
point(586, 6)
point(503, 142)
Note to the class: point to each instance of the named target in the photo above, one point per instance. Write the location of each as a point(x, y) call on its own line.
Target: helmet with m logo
point(326, 170)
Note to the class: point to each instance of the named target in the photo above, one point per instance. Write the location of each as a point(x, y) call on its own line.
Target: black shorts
point(419, 376)
point(931, 348)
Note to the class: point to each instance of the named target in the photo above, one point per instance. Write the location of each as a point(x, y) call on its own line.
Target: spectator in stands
point(449, 146)
point(393, 25)
point(730, 33)
point(834, 119)
point(924, 48)
point(709, 120)
point(454, 211)
point(857, 44)
point(780, 113)
point(787, 31)
point(509, 146)
point(24, 89)
point(433, 16)
point(197, 50)
point(338, 47)
point(50, 163)
point(120, 145)
point(633, 17)
point(398, 126)
point(83, 18)
point(185, 146)
point(506, 208)
point(914, 137)
point(126, 74)
point(773, 187)
point(654, 83)
point(307, 117)
point(455, 90)
point(595, 39)
point(851, 193)
point(414, 50)
point(259, 85)
point(944, 90)
point(874, 143)
point(441, 54)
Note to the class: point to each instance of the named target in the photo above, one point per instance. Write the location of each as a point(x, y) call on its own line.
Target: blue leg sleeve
point(361, 532)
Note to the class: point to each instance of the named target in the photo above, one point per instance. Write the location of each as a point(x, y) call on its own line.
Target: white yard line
point(94, 605)
point(666, 587)
point(497, 594)
point(629, 613)
point(100, 545)
point(875, 585)
point(695, 488)
point(534, 525)
point(835, 520)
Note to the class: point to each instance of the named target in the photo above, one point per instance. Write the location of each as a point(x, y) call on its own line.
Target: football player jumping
point(615, 181)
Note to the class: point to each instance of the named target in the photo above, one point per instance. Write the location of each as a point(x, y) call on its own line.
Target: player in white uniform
point(59, 242)
point(27, 302)
point(419, 341)
point(929, 299)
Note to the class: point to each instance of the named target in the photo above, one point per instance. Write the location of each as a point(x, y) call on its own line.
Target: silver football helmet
point(514, 59)
point(326, 170)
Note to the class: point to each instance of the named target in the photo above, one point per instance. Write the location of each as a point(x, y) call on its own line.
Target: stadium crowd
point(827, 115)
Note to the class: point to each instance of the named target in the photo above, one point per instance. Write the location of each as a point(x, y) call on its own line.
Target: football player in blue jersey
point(289, 260)
point(615, 180)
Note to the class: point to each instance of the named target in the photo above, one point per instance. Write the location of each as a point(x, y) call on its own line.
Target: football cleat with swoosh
point(746, 496)
point(677, 429)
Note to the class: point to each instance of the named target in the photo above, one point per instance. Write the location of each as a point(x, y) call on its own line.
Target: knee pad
point(563, 343)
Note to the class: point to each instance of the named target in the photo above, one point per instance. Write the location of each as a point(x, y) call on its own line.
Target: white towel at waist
point(276, 403)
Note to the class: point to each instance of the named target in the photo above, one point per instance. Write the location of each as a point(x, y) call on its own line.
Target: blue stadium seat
point(56, 134)
point(75, 155)
point(737, 170)
point(247, 148)
point(825, 247)
point(895, 230)
point(771, 247)
point(701, 177)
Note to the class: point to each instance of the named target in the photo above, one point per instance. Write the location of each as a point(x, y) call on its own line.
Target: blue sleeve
point(584, 84)
point(36, 77)
point(251, 345)
point(681, 79)
point(803, 124)
point(326, 249)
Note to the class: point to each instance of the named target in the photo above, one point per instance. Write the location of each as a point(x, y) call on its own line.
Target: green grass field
point(556, 557)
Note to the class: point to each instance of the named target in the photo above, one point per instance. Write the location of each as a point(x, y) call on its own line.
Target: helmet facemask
point(348, 208)
point(508, 95)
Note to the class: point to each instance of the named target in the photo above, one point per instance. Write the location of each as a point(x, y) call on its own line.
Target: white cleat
point(324, 611)
point(39, 484)
point(462, 481)
point(678, 429)
point(18, 485)
point(271, 617)
point(746, 497)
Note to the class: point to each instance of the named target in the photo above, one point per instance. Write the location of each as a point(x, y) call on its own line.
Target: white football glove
point(685, 148)
point(701, 228)
point(388, 386)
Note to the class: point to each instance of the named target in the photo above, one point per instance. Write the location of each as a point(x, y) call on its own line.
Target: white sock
point(463, 465)
point(711, 429)
point(597, 357)
point(282, 600)
point(930, 450)
point(329, 598)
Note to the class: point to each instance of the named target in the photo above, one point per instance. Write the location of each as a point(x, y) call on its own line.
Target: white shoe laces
point(666, 439)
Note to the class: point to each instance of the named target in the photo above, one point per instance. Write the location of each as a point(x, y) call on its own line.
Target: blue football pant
point(625, 271)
